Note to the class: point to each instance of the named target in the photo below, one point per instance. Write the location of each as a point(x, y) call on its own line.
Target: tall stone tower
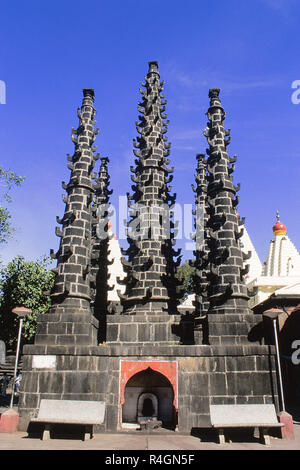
point(226, 290)
point(150, 295)
point(71, 294)
point(151, 284)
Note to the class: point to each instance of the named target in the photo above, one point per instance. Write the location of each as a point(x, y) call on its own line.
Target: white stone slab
point(44, 362)
point(227, 415)
point(71, 411)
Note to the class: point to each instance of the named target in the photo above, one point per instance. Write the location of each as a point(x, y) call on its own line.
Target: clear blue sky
point(49, 51)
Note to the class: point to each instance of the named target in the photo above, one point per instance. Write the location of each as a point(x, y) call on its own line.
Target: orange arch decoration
point(167, 368)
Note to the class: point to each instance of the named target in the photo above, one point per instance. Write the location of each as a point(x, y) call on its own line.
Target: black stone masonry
point(149, 352)
point(151, 283)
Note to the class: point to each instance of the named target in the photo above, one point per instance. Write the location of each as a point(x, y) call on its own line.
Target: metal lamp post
point(21, 312)
point(278, 363)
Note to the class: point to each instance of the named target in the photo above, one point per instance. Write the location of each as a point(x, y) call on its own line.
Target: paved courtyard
point(155, 441)
point(159, 440)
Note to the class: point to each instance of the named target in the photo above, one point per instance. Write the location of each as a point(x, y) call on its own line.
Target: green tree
point(8, 179)
point(185, 274)
point(23, 283)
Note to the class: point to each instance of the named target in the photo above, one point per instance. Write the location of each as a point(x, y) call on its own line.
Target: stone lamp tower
point(151, 283)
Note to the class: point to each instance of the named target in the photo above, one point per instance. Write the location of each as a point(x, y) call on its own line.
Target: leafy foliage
point(8, 179)
point(22, 283)
point(185, 274)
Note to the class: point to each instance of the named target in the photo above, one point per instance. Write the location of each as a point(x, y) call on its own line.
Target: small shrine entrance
point(148, 395)
point(147, 406)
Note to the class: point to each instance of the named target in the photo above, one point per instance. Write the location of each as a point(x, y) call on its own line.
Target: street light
point(278, 363)
point(21, 312)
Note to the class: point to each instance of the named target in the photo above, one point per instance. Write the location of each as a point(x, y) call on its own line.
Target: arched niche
point(169, 369)
point(147, 406)
point(153, 385)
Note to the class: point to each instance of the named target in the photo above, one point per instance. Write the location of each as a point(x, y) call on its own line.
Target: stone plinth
point(287, 431)
point(234, 328)
point(70, 322)
point(142, 328)
point(206, 374)
point(154, 328)
point(9, 421)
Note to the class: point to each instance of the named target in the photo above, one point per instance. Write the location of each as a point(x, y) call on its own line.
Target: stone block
point(198, 384)
point(30, 382)
point(199, 405)
point(128, 333)
point(112, 385)
point(29, 400)
point(43, 339)
point(86, 363)
point(239, 383)
point(65, 339)
point(221, 400)
point(236, 364)
point(57, 328)
point(50, 382)
point(215, 364)
point(111, 420)
point(262, 362)
point(67, 363)
point(100, 382)
point(81, 328)
point(261, 384)
point(77, 382)
point(217, 384)
point(112, 332)
point(184, 419)
point(191, 364)
point(41, 328)
point(144, 332)
point(60, 349)
point(161, 332)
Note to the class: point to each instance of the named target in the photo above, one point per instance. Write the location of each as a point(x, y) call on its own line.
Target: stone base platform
point(195, 376)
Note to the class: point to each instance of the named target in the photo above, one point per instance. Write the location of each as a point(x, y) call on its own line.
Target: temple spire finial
point(279, 228)
point(153, 66)
point(89, 92)
point(214, 93)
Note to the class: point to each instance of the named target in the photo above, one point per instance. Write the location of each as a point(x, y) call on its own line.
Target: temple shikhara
point(116, 332)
